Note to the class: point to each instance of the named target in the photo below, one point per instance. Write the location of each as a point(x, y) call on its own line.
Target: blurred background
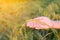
point(15, 13)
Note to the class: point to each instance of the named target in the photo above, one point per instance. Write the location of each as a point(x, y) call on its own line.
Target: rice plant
point(15, 13)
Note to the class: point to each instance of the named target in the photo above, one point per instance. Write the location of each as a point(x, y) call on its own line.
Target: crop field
point(15, 13)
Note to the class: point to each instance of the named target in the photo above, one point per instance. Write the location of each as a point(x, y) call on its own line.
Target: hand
point(40, 23)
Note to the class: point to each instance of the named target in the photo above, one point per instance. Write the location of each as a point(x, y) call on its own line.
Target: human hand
point(40, 23)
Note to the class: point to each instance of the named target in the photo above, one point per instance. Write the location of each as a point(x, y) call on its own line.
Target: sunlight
point(12, 1)
point(12, 6)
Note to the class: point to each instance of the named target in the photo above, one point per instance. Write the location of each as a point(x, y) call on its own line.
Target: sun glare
point(11, 6)
point(12, 1)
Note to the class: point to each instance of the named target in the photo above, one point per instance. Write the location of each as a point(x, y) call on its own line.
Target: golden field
point(15, 13)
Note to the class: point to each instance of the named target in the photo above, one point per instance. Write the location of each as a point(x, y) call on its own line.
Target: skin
point(56, 24)
point(43, 23)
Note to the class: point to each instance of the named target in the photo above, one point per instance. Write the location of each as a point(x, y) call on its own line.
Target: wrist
point(56, 24)
point(52, 25)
